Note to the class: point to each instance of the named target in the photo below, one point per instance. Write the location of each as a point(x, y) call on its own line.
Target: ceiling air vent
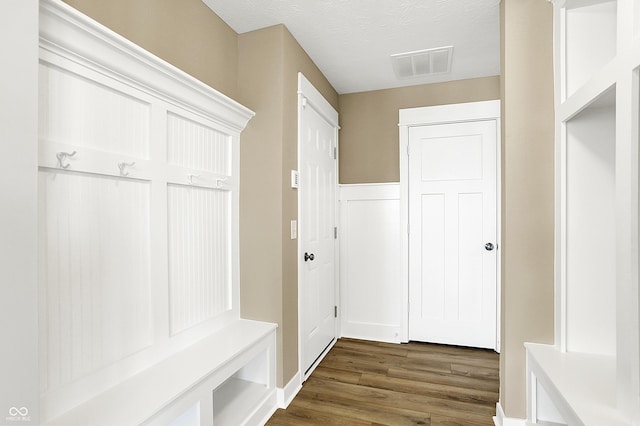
point(422, 62)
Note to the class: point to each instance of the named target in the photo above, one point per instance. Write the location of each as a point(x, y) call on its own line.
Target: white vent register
point(421, 63)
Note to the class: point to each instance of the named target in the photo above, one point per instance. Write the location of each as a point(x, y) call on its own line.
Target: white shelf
point(590, 31)
point(591, 376)
point(600, 83)
point(235, 399)
point(142, 397)
point(583, 386)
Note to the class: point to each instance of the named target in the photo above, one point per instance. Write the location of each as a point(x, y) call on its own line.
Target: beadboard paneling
point(105, 259)
point(196, 146)
point(82, 112)
point(94, 284)
point(199, 255)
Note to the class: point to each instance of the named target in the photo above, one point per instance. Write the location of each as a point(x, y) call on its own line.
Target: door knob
point(488, 246)
point(308, 256)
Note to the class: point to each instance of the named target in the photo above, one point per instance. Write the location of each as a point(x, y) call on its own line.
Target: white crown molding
point(67, 32)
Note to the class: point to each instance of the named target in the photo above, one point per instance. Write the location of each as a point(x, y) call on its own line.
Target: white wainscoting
point(371, 293)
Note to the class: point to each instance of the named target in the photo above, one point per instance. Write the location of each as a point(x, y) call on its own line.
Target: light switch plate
point(295, 179)
point(294, 229)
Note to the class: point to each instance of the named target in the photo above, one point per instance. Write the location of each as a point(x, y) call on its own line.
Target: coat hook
point(62, 156)
point(122, 166)
point(190, 178)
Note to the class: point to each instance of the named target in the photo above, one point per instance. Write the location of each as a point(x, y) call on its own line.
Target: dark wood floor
point(371, 383)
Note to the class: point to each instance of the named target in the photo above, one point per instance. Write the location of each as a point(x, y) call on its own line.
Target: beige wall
point(369, 120)
point(185, 33)
point(260, 88)
point(527, 192)
point(269, 62)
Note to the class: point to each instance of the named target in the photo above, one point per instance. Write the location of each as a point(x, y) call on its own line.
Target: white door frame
point(443, 114)
point(308, 94)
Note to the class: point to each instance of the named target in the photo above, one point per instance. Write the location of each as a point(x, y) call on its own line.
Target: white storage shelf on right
point(589, 231)
point(591, 375)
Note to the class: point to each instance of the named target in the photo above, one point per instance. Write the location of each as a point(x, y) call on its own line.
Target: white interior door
point(453, 233)
point(317, 245)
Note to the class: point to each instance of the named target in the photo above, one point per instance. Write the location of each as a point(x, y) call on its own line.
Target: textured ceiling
point(351, 40)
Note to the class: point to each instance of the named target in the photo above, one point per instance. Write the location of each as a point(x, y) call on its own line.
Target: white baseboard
point(290, 390)
point(375, 332)
point(500, 420)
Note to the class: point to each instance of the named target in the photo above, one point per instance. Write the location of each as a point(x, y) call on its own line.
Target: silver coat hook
point(62, 156)
point(122, 166)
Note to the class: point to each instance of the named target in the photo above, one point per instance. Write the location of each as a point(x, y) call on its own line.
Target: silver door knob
point(308, 256)
point(488, 246)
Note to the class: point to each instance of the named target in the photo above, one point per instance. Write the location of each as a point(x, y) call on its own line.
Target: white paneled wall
point(200, 285)
point(94, 273)
point(372, 297)
point(87, 113)
point(190, 144)
point(138, 204)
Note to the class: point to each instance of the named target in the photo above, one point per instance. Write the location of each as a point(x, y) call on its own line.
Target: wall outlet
point(295, 179)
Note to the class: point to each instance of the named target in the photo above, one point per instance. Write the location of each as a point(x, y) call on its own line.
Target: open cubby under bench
point(227, 378)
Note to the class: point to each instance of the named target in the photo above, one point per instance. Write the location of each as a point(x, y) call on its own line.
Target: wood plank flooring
point(372, 383)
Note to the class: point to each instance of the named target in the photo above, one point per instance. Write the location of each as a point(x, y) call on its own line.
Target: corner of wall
point(528, 191)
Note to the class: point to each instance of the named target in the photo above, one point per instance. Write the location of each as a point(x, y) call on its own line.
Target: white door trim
point(441, 114)
point(308, 95)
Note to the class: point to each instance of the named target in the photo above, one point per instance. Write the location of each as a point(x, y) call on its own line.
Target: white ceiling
point(351, 40)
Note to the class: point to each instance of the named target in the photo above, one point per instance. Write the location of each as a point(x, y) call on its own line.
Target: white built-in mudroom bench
point(591, 375)
point(138, 240)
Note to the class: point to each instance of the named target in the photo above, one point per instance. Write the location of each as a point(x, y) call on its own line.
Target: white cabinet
point(139, 310)
point(591, 375)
